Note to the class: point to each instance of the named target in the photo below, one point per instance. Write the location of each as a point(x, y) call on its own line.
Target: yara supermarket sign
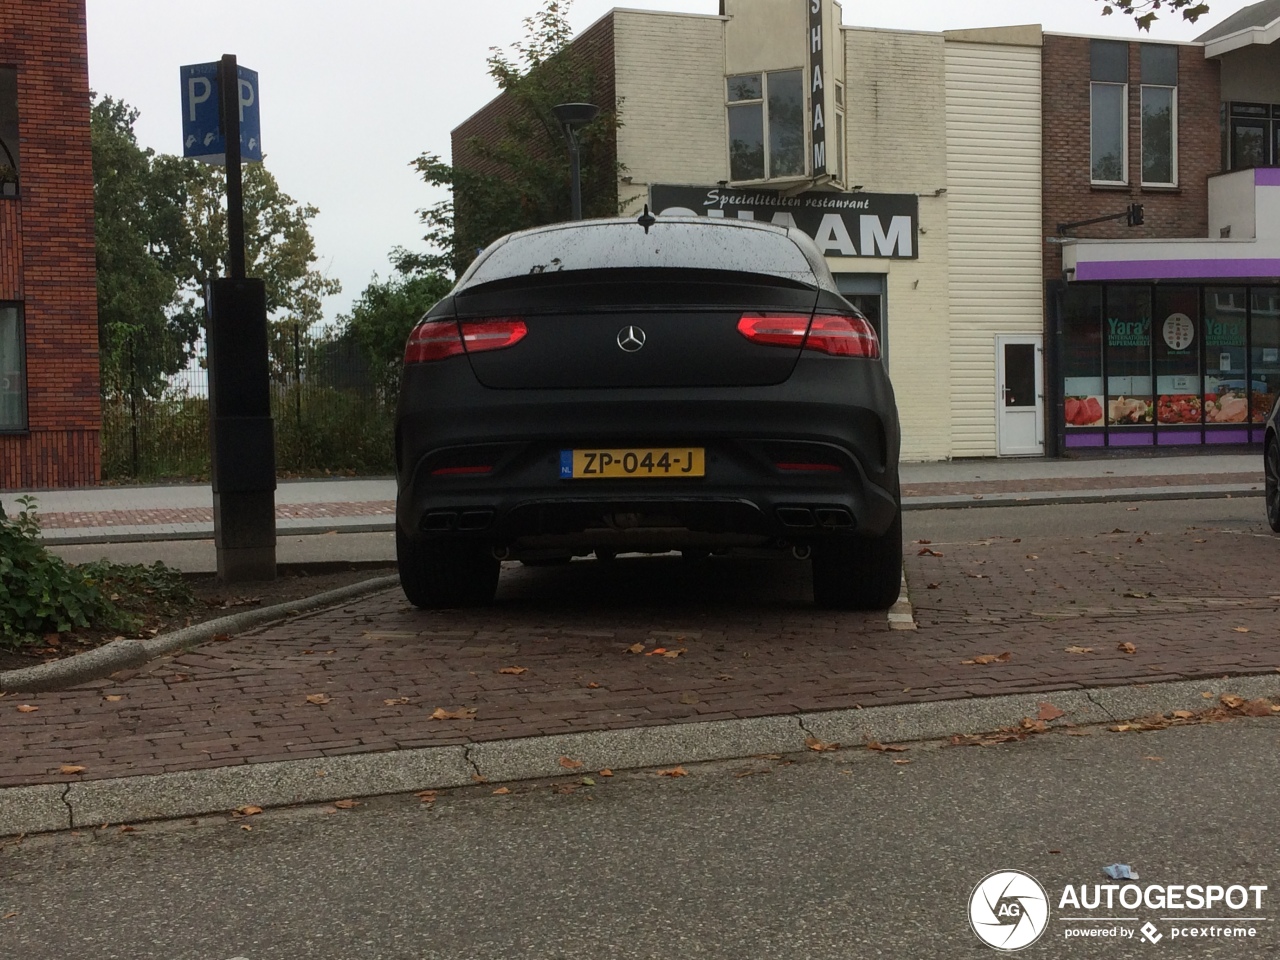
point(841, 224)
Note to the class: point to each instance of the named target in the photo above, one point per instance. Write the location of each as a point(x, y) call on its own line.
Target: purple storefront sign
point(1177, 269)
point(1086, 440)
point(1240, 435)
point(1136, 438)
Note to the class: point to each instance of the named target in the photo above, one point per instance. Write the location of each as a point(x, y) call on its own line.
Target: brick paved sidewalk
point(368, 675)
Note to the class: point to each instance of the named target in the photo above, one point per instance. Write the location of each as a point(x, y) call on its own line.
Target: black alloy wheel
point(442, 573)
point(859, 573)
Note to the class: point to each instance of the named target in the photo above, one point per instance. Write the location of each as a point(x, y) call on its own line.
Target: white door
point(1020, 396)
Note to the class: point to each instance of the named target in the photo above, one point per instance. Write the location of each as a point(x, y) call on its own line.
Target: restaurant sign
point(842, 224)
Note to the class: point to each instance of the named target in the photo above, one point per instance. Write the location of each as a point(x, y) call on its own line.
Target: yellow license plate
point(632, 462)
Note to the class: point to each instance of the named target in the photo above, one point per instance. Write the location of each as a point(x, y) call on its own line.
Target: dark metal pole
point(229, 81)
point(575, 165)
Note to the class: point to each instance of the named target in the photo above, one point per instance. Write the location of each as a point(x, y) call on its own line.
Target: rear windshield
point(671, 244)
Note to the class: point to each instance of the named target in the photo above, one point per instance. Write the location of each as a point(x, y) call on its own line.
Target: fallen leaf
point(245, 826)
point(395, 702)
point(1033, 726)
point(1230, 700)
point(127, 829)
point(674, 772)
point(885, 747)
point(1126, 647)
point(593, 685)
point(902, 762)
point(1049, 712)
point(656, 652)
point(1207, 695)
point(927, 552)
point(924, 541)
point(113, 698)
point(477, 778)
point(932, 586)
point(1120, 728)
point(1182, 714)
point(813, 743)
point(1257, 708)
point(1074, 649)
point(502, 791)
point(247, 811)
point(985, 658)
point(636, 648)
point(606, 772)
point(346, 804)
point(672, 654)
point(319, 699)
point(587, 782)
point(10, 915)
point(462, 713)
point(69, 768)
point(221, 637)
point(514, 671)
point(570, 764)
point(1240, 629)
point(427, 796)
point(27, 708)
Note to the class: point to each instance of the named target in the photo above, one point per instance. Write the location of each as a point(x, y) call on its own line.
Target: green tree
point(1144, 11)
point(520, 178)
point(381, 319)
point(143, 333)
point(279, 247)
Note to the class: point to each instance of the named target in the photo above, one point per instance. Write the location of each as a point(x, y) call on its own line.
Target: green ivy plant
point(41, 593)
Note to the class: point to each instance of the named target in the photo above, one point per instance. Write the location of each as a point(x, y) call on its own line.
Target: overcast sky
point(351, 92)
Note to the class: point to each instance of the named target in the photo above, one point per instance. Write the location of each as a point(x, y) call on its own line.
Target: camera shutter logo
point(1009, 910)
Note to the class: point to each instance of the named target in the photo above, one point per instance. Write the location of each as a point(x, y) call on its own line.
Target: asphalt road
point(834, 855)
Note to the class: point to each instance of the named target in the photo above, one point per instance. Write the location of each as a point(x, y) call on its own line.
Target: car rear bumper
point(450, 429)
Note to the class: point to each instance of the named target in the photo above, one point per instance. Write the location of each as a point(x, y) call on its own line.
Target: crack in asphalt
point(1102, 707)
point(71, 814)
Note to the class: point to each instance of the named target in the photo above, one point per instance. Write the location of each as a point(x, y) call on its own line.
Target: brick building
point(934, 170)
point(49, 399)
point(1164, 333)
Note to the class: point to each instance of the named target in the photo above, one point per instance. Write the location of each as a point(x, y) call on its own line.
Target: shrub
point(41, 593)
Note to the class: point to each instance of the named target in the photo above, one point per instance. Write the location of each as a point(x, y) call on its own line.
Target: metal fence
point(331, 414)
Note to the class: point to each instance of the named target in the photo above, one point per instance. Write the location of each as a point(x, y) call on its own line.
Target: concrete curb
point(90, 803)
point(122, 654)
point(80, 536)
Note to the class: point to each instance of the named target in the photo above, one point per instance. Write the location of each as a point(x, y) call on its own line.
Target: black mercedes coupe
point(646, 385)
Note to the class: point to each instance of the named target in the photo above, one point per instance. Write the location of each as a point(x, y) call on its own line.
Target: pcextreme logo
point(1009, 910)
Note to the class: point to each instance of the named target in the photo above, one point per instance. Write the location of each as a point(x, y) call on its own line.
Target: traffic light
point(1135, 215)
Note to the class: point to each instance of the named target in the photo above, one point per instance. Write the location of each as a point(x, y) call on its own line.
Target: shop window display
point(1264, 350)
point(1226, 387)
point(1127, 338)
point(1083, 395)
point(1177, 356)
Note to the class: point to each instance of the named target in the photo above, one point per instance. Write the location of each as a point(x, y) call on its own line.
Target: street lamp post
point(572, 116)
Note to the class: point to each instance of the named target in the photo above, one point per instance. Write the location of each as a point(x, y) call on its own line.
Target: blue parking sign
point(202, 137)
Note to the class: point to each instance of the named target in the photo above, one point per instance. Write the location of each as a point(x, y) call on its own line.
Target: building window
point(13, 377)
point(1159, 115)
point(766, 125)
point(1108, 97)
point(1253, 135)
point(8, 131)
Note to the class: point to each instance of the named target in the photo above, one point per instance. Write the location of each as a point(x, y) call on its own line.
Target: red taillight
point(837, 335)
point(778, 330)
point(843, 336)
point(439, 339)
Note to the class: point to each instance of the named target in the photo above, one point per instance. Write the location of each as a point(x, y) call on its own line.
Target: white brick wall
point(896, 144)
point(670, 79)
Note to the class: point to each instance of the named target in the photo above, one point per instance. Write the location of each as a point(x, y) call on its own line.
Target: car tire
point(442, 573)
point(859, 573)
point(1271, 476)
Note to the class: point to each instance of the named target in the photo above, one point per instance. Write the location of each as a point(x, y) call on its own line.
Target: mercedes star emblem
point(631, 339)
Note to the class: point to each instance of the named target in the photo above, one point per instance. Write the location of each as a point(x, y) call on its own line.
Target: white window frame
point(763, 102)
point(1173, 134)
point(1124, 133)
